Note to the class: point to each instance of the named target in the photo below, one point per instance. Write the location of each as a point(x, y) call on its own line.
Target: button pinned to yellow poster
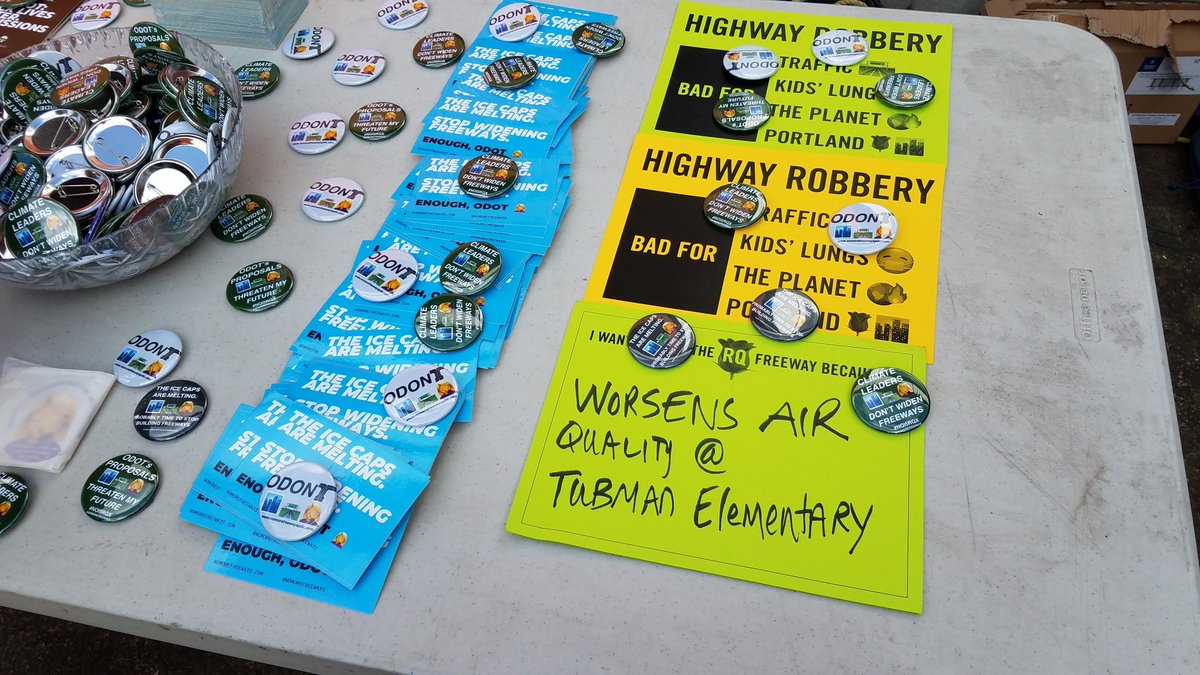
point(659, 250)
point(746, 461)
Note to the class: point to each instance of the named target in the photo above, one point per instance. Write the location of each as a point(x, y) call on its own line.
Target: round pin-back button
point(14, 495)
point(890, 400)
point(81, 88)
point(82, 191)
point(401, 14)
point(51, 131)
point(28, 62)
point(598, 39)
point(203, 102)
point(309, 43)
point(170, 410)
point(471, 268)
point(260, 286)
point(22, 179)
point(298, 501)
point(661, 341)
point(38, 226)
point(511, 72)
point(784, 314)
point(863, 228)
point(742, 111)
point(421, 395)
point(904, 90)
point(27, 90)
point(119, 488)
point(137, 3)
point(148, 357)
point(377, 121)
point(317, 133)
point(15, 4)
point(750, 62)
point(93, 15)
point(358, 67)
point(63, 63)
point(161, 178)
point(333, 199)
point(894, 260)
point(385, 275)
point(840, 48)
point(449, 322)
point(117, 144)
point(153, 59)
point(6, 155)
point(488, 176)
point(149, 35)
point(243, 218)
point(189, 149)
point(257, 79)
point(439, 49)
point(515, 22)
point(172, 77)
point(66, 159)
point(735, 206)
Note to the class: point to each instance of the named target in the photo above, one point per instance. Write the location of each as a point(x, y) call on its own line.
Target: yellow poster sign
point(828, 145)
point(816, 107)
point(746, 461)
point(660, 251)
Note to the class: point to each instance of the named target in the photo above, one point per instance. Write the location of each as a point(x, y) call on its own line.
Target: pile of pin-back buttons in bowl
point(119, 148)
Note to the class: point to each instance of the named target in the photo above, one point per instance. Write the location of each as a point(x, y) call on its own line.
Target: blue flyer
point(558, 23)
point(377, 484)
point(353, 398)
point(265, 567)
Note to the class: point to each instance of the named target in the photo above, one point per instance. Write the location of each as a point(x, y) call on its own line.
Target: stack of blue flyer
point(531, 125)
point(365, 393)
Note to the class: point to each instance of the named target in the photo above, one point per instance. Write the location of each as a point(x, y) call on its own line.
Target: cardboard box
point(1157, 45)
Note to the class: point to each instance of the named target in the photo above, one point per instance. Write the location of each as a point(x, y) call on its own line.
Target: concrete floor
point(35, 644)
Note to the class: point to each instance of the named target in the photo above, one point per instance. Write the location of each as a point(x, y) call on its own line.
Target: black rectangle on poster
point(669, 254)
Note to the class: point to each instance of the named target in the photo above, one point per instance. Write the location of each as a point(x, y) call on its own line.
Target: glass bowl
point(153, 238)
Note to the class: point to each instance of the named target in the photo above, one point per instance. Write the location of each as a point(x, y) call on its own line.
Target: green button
point(511, 72)
point(377, 121)
point(82, 88)
point(904, 90)
point(243, 218)
point(22, 179)
point(153, 60)
point(14, 495)
point(890, 400)
point(120, 488)
point(488, 176)
point(257, 79)
point(661, 341)
point(39, 226)
point(784, 314)
point(470, 268)
point(438, 50)
point(598, 39)
point(26, 92)
point(449, 322)
point(29, 62)
point(203, 102)
point(149, 35)
point(260, 286)
point(742, 111)
point(735, 206)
